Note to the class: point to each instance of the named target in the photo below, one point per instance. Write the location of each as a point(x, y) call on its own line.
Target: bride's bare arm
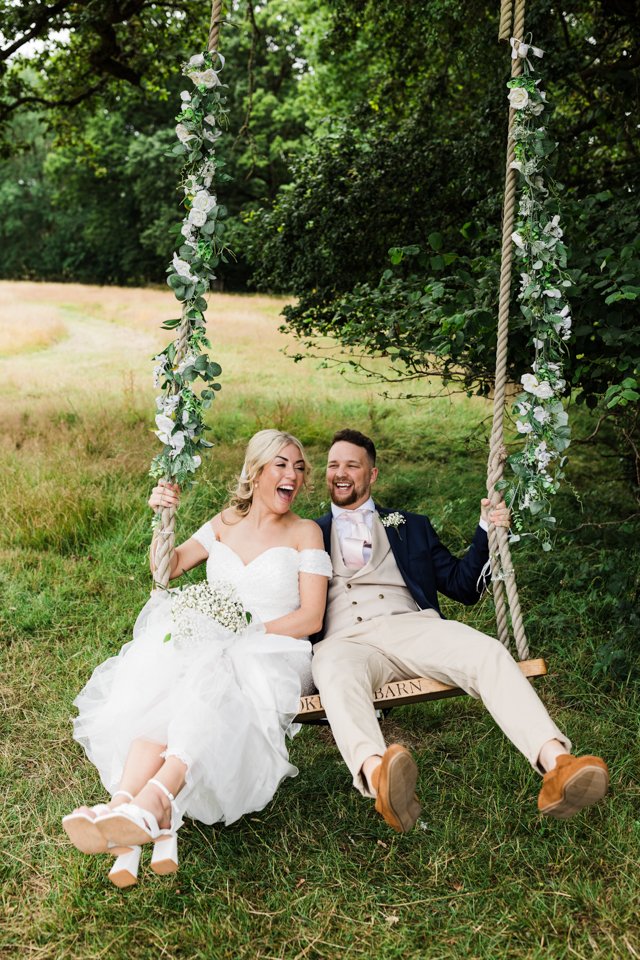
point(190, 553)
point(307, 619)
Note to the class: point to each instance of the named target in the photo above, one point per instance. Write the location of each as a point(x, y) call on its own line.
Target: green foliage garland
point(180, 416)
point(541, 417)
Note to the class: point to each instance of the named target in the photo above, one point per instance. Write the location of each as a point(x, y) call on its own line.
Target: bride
point(198, 727)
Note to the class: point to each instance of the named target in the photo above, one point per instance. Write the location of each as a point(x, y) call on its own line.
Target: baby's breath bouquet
point(194, 607)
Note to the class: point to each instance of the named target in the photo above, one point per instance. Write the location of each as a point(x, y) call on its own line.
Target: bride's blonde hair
point(263, 447)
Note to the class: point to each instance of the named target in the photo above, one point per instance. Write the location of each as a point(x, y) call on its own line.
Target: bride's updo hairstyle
point(263, 447)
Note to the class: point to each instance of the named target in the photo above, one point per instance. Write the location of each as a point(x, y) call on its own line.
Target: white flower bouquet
point(193, 609)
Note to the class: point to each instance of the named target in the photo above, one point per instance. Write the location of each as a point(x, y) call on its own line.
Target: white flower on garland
point(197, 60)
point(539, 388)
point(183, 133)
point(517, 239)
point(523, 426)
point(204, 201)
point(205, 78)
point(518, 98)
point(167, 404)
point(197, 217)
point(541, 415)
point(182, 268)
point(186, 362)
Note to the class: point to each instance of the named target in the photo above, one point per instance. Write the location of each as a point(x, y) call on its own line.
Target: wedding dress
point(222, 706)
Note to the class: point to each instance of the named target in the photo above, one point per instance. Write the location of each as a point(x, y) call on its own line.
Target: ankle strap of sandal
point(170, 797)
point(122, 793)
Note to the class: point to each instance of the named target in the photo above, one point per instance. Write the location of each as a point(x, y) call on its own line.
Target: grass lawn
point(316, 874)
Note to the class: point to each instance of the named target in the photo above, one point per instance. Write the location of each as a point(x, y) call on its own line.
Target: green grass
point(317, 874)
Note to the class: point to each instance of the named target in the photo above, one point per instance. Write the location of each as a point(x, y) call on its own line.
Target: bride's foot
point(149, 816)
point(80, 825)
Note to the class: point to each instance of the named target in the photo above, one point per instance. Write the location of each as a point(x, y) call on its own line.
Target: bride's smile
point(280, 480)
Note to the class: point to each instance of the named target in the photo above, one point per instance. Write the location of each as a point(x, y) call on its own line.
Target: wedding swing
point(505, 593)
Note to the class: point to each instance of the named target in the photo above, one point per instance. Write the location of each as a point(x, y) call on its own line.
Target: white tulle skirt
point(222, 706)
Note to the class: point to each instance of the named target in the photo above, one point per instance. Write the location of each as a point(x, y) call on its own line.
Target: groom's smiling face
point(350, 475)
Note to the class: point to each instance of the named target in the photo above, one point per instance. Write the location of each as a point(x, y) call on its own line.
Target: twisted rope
point(214, 29)
point(503, 578)
point(164, 540)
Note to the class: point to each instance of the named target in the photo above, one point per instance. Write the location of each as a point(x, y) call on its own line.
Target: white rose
point(210, 119)
point(518, 98)
point(197, 60)
point(203, 201)
point(196, 460)
point(517, 239)
point(197, 217)
point(516, 165)
point(206, 78)
point(544, 390)
point(537, 108)
point(185, 96)
point(541, 414)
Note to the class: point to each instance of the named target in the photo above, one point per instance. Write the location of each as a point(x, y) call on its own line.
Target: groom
point(383, 623)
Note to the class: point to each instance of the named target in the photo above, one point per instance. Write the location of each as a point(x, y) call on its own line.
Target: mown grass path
point(316, 874)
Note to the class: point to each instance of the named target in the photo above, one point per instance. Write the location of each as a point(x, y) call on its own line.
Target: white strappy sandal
point(82, 831)
point(131, 825)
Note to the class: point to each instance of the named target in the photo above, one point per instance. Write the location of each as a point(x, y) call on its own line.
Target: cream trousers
point(350, 664)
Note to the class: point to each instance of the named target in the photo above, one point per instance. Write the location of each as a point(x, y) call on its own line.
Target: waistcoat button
point(381, 596)
point(358, 619)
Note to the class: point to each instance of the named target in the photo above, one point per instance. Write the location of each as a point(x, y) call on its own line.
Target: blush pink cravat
point(359, 536)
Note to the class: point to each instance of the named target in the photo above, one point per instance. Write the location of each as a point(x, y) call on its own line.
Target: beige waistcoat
point(376, 590)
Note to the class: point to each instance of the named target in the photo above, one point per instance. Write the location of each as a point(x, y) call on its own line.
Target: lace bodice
point(268, 584)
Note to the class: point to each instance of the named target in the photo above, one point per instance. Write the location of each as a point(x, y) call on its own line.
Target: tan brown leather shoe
point(395, 784)
point(574, 783)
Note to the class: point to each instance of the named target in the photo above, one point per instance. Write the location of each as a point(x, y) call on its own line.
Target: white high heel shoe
point(81, 828)
point(131, 825)
point(124, 872)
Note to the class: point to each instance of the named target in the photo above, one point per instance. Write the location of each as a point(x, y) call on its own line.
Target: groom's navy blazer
point(426, 565)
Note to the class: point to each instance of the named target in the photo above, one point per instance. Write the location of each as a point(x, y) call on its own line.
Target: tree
point(416, 166)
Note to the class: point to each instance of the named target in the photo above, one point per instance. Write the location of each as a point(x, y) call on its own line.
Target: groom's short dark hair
point(359, 439)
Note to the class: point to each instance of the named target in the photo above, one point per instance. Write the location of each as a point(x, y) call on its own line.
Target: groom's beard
point(345, 497)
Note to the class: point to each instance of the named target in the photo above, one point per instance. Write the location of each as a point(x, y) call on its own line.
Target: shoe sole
point(586, 787)
point(84, 834)
point(126, 833)
point(404, 808)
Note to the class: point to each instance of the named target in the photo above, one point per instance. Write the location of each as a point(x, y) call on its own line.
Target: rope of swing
point(164, 541)
point(505, 590)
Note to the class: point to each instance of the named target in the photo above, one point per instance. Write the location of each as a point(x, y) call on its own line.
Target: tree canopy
point(357, 128)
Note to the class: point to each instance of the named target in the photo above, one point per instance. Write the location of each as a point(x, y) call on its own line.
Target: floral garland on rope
point(541, 417)
point(180, 410)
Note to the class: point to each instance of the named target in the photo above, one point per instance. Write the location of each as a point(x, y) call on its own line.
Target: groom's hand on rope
point(500, 515)
point(164, 495)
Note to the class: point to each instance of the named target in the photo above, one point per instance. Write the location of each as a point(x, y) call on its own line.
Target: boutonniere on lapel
point(394, 520)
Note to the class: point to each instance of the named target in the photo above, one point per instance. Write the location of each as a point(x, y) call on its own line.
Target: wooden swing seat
point(400, 692)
